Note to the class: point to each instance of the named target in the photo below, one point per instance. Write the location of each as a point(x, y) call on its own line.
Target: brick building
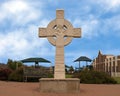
point(107, 63)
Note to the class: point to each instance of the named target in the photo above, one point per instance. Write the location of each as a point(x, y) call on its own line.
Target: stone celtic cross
point(59, 33)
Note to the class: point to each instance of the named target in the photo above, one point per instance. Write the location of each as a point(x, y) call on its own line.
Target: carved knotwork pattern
point(60, 30)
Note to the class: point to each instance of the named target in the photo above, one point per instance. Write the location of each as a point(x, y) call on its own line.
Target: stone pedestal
point(51, 85)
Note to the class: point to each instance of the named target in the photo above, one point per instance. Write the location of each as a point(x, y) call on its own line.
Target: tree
point(14, 64)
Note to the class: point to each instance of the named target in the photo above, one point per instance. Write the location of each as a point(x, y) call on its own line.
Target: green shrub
point(14, 65)
point(16, 75)
point(94, 77)
point(117, 79)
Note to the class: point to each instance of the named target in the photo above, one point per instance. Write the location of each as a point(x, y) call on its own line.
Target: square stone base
point(69, 85)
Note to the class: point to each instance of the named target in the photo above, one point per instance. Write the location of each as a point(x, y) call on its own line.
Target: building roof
point(83, 58)
point(36, 60)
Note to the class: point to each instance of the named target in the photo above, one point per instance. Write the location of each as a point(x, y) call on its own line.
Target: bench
point(40, 72)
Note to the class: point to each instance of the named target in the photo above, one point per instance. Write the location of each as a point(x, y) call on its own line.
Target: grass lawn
point(117, 79)
point(68, 76)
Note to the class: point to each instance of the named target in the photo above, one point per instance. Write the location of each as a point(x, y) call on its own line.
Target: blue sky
point(20, 20)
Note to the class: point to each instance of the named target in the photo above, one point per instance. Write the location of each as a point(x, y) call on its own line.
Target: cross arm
point(77, 32)
point(45, 32)
point(42, 32)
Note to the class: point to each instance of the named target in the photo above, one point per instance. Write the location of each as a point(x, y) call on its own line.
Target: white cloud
point(15, 6)
point(93, 27)
point(21, 42)
point(110, 26)
point(108, 5)
point(19, 11)
point(89, 27)
point(111, 3)
point(24, 43)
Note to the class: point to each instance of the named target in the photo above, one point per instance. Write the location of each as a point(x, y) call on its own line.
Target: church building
point(107, 63)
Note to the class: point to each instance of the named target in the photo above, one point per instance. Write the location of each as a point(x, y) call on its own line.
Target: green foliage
point(4, 73)
point(94, 77)
point(50, 75)
point(117, 79)
point(16, 75)
point(14, 64)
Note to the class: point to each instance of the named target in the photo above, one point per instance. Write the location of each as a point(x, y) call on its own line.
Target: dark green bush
point(16, 75)
point(94, 77)
point(14, 65)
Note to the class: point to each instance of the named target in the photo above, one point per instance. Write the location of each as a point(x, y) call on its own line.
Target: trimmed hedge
point(94, 77)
